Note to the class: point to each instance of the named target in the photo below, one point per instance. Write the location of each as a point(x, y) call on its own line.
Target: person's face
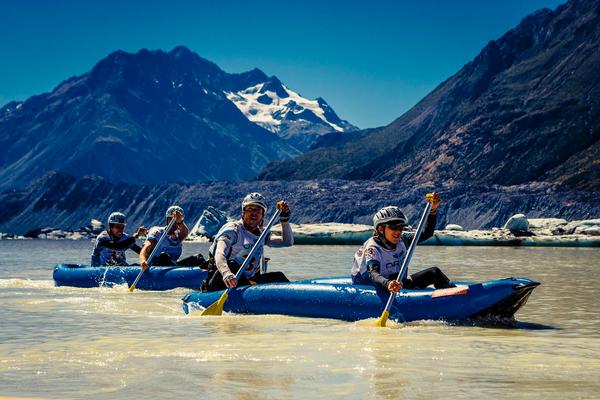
point(117, 230)
point(393, 232)
point(174, 227)
point(253, 215)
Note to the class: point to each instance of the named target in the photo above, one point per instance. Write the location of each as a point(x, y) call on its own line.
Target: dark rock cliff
point(67, 202)
point(526, 109)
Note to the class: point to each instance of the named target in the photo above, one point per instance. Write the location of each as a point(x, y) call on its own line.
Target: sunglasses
point(396, 227)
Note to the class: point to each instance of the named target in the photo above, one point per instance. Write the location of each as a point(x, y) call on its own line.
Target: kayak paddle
point(217, 307)
point(162, 238)
point(386, 311)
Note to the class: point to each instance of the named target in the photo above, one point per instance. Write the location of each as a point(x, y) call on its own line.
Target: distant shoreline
point(548, 232)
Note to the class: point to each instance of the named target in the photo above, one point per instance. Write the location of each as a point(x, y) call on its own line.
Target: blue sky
point(370, 60)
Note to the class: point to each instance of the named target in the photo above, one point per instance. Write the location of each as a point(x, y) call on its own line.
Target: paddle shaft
point(410, 252)
point(262, 236)
point(162, 238)
point(217, 307)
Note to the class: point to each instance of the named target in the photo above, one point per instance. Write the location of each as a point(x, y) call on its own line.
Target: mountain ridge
point(130, 113)
point(525, 109)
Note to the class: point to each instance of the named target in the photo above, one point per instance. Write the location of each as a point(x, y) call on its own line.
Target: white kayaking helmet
point(389, 214)
point(172, 209)
point(117, 218)
point(254, 199)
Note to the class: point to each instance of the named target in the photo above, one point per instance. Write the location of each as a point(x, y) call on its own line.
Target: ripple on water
point(106, 342)
point(26, 283)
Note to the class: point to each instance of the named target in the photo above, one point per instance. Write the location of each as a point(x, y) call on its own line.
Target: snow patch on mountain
point(269, 109)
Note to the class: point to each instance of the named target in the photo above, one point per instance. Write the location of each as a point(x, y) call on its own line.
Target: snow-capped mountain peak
point(279, 109)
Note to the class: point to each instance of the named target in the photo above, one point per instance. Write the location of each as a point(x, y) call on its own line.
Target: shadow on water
point(532, 326)
point(504, 323)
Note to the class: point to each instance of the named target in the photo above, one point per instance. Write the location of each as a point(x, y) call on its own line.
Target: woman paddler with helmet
point(234, 241)
point(377, 262)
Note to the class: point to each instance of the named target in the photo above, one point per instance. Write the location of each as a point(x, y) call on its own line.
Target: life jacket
point(242, 242)
point(104, 256)
point(390, 261)
point(171, 245)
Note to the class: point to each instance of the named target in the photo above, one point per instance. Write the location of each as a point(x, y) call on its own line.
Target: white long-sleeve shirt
point(233, 243)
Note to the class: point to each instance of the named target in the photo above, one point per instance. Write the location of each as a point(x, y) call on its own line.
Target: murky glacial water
point(109, 343)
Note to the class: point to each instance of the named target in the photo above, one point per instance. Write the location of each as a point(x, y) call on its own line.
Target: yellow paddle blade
point(217, 307)
point(383, 319)
point(132, 288)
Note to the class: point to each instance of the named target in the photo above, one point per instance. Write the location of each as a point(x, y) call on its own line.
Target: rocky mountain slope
point(526, 109)
point(66, 202)
point(153, 117)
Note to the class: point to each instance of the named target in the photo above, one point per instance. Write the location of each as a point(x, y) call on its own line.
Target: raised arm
point(287, 236)
point(180, 227)
point(183, 230)
point(142, 231)
point(430, 223)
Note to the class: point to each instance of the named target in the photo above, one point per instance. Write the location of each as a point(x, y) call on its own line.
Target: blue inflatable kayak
point(156, 278)
point(337, 298)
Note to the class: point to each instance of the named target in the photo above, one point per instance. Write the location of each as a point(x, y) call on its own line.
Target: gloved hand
point(435, 200)
point(142, 231)
point(178, 217)
point(394, 286)
point(285, 212)
point(230, 281)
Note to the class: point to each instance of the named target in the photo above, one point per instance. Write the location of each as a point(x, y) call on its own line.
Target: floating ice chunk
point(329, 233)
point(209, 223)
point(587, 230)
point(517, 222)
point(546, 223)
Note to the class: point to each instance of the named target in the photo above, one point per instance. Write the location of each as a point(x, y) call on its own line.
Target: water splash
point(26, 283)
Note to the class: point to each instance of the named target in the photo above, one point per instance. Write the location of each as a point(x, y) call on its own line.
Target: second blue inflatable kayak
point(156, 278)
point(338, 299)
